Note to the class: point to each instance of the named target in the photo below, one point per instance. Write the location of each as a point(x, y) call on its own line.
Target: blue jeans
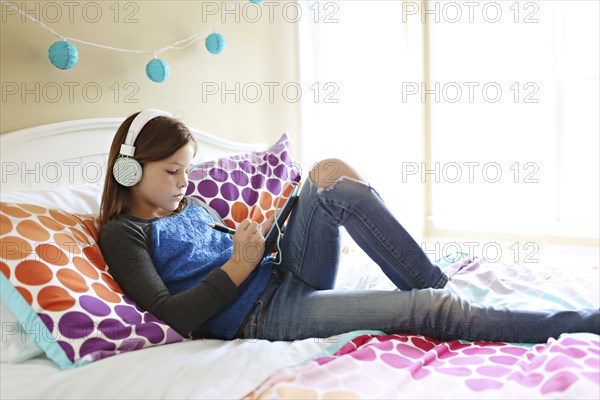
point(299, 302)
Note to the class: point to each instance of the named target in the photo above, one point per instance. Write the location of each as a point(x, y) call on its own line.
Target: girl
point(205, 283)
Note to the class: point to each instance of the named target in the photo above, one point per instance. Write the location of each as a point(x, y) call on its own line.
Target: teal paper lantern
point(63, 55)
point(157, 70)
point(256, 1)
point(215, 43)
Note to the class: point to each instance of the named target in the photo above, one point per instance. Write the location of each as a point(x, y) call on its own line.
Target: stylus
point(222, 228)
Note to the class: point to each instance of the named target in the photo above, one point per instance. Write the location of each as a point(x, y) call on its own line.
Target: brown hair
point(159, 138)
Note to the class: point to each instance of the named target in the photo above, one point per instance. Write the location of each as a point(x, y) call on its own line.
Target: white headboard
point(75, 152)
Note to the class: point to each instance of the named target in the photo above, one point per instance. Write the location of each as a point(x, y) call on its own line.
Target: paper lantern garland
point(63, 55)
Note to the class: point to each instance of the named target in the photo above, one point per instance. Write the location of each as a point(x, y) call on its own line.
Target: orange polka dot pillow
point(55, 281)
point(248, 185)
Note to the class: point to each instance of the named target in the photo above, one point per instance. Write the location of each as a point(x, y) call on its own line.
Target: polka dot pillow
point(248, 185)
point(55, 281)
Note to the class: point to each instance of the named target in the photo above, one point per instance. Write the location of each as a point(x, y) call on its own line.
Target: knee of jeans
point(326, 173)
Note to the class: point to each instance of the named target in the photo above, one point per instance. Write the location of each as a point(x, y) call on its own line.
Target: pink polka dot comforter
point(371, 365)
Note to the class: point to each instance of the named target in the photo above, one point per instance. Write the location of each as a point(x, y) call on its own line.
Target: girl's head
point(164, 148)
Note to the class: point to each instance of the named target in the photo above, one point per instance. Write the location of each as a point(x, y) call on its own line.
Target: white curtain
point(357, 54)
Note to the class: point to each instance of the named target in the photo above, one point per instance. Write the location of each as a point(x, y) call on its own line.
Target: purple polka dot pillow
point(56, 283)
point(248, 185)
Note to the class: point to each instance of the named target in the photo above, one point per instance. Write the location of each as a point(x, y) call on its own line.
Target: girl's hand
point(268, 223)
point(248, 243)
point(248, 248)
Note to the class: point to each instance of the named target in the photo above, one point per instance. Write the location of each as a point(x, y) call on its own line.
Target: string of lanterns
point(63, 54)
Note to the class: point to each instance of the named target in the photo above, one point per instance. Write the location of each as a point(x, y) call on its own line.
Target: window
point(513, 94)
point(466, 116)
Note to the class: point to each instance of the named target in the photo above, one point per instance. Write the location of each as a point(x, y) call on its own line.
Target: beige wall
point(35, 92)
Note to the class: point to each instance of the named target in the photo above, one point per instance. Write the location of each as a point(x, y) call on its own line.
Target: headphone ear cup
point(127, 171)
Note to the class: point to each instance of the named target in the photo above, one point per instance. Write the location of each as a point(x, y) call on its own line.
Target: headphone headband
point(138, 123)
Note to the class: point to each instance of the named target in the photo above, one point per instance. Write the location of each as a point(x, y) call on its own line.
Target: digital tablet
point(281, 215)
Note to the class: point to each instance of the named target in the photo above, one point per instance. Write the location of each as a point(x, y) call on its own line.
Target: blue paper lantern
point(157, 70)
point(256, 1)
point(215, 43)
point(63, 55)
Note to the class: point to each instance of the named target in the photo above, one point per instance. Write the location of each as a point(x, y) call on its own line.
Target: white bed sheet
point(207, 369)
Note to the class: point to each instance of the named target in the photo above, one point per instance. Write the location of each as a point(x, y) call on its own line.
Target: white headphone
point(127, 170)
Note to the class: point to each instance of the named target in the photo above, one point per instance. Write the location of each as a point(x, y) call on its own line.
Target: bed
point(57, 170)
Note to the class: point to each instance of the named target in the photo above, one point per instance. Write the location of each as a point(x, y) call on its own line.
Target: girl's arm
point(126, 252)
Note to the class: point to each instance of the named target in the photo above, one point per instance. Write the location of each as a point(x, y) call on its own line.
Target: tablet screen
point(281, 215)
